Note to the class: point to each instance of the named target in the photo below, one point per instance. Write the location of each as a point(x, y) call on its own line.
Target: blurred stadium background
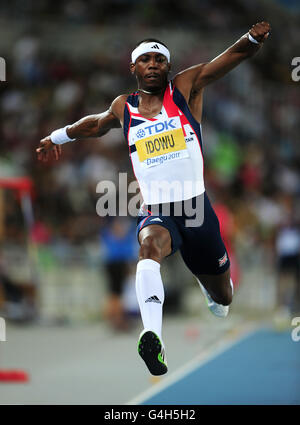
point(69, 59)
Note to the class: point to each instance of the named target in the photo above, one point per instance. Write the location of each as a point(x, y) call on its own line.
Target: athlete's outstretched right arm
point(90, 126)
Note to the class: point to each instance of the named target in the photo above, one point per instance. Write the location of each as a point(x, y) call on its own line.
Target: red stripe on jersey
point(172, 109)
point(169, 105)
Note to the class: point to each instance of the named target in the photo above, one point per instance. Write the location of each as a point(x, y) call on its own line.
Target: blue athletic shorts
point(201, 247)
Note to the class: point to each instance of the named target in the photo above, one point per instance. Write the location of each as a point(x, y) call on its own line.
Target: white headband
point(149, 47)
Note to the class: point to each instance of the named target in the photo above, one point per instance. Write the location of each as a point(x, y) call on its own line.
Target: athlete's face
point(151, 70)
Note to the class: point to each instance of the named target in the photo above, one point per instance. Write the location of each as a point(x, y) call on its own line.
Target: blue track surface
point(263, 368)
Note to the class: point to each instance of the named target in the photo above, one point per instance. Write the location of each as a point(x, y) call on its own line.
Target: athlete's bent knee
point(150, 249)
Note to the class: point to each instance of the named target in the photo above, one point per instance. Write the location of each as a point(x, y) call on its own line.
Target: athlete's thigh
point(205, 256)
point(203, 249)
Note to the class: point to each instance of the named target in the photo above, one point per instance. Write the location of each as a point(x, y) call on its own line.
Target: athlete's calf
point(218, 286)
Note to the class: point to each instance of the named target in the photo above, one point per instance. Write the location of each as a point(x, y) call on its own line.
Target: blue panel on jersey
point(135, 122)
point(126, 122)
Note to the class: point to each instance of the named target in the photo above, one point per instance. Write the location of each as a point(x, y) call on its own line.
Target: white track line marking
point(206, 355)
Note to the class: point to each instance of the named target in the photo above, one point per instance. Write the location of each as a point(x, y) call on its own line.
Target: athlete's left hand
point(48, 150)
point(260, 31)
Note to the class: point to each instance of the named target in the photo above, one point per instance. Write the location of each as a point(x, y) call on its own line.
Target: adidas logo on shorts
point(156, 219)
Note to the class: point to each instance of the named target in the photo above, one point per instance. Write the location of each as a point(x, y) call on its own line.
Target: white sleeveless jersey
point(165, 151)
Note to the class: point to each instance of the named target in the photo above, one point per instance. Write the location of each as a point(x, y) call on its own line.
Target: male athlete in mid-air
point(161, 123)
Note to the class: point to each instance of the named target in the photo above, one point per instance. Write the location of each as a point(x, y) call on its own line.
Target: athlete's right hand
point(48, 150)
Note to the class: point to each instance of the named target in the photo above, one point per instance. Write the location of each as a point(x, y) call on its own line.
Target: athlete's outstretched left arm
point(198, 76)
point(90, 126)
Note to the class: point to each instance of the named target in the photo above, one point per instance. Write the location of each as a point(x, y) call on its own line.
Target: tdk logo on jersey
point(161, 126)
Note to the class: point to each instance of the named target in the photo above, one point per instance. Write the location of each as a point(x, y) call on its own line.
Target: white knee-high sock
point(150, 294)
